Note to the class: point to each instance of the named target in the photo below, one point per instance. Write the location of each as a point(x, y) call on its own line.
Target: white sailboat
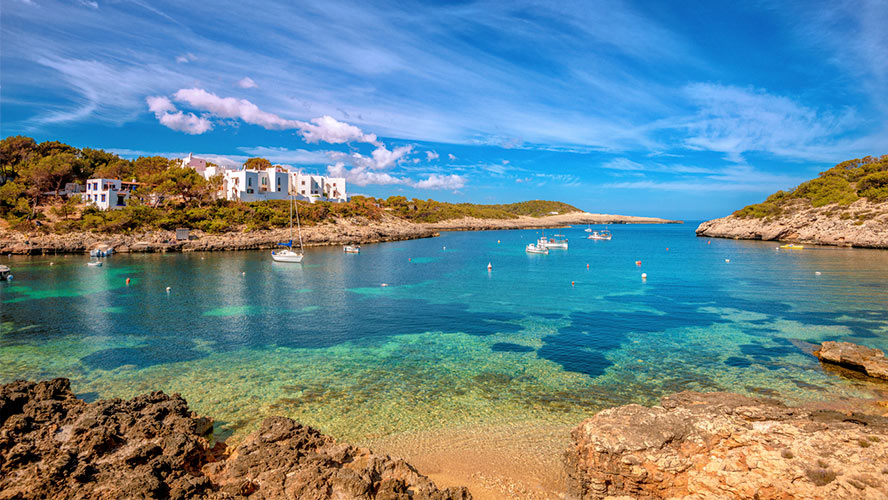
point(589, 228)
point(287, 254)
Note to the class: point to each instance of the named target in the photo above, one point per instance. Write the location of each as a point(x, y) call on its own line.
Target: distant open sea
point(540, 339)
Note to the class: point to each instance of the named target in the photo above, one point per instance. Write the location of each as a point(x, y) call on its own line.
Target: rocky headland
point(340, 232)
point(54, 445)
point(861, 224)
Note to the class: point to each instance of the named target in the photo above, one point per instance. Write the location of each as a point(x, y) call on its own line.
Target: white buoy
point(384, 284)
point(489, 266)
point(168, 289)
point(816, 273)
point(727, 260)
point(644, 276)
point(243, 273)
point(52, 263)
point(443, 248)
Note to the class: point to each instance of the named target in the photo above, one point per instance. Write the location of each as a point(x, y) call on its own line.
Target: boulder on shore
point(855, 357)
point(54, 445)
point(723, 445)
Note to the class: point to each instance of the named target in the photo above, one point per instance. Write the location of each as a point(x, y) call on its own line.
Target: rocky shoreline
point(340, 232)
point(862, 224)
point(693, 445)
point(53, 445)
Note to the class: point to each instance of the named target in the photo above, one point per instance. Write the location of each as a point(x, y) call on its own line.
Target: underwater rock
point(855, 357)
point(54, 445)
point(723, 445)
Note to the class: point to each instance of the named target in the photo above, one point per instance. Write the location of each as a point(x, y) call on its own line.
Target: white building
point(314, 188)
point(108, 193)
point(277, 183)
point(256, 185)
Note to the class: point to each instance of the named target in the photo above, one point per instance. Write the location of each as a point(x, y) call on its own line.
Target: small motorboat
point(351, 249)
point(792, 246)
point(536, 248)
point(5, 273)
point(559, 241)
point(600, 235)
point(95, 263)
point(588, 229)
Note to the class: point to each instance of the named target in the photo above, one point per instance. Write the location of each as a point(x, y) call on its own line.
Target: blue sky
point(675, 109)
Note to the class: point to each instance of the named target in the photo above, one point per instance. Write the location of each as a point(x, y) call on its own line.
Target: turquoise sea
point(545, 339)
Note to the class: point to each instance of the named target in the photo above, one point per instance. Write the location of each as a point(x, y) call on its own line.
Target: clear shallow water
point(446, 344)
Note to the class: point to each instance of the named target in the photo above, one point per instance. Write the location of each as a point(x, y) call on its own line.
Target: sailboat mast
point(298, 226)
point(291, 218)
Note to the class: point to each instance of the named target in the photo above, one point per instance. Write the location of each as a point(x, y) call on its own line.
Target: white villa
point(256, 185)
point(108, 193)
point(277, 183)
point(314, 188)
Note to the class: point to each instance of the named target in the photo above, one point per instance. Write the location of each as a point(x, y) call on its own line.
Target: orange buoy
point(667, 249)
point(409, 259)
point(127, 281)
point(587, 266)
point(709, 242)
point(637, 262)
point(572, 283)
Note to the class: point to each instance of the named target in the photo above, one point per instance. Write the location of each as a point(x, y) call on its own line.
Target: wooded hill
point(32, 175)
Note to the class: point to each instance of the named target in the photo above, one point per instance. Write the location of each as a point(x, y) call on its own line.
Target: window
point(303, 183)
point(249, 182)
point(103, 198)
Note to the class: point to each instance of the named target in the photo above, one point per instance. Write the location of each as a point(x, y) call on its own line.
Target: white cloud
point(185, 58)
point(436, 181)
point(229, 107)
point(169, 117)
point(329, 129)
point(431, 155)
point(188, 123)
point(383, 158)
point(160, 104)
point(89, 3)
point(361, 176)
point(247, 83)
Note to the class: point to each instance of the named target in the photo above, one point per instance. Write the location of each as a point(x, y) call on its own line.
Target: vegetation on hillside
point(842, 185)
point(33, 175)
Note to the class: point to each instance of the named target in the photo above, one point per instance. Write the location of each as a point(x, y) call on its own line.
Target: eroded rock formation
point(722, 445)
point(855, 357)
point(53, 445)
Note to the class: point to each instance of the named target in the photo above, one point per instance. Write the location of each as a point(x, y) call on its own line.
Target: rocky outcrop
point(53, 445)
point(861, 224)
point(722, 445)
point(854, 357)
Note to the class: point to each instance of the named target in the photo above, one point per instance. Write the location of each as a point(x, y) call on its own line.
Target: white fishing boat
point(536, 248)
point(288, 254)
point(95, 263)
point(589, 228)
point(351, 249)
point(559, 241)
point(600, 235)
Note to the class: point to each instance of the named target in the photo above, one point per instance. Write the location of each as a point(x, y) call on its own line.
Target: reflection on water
point(540, 340)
